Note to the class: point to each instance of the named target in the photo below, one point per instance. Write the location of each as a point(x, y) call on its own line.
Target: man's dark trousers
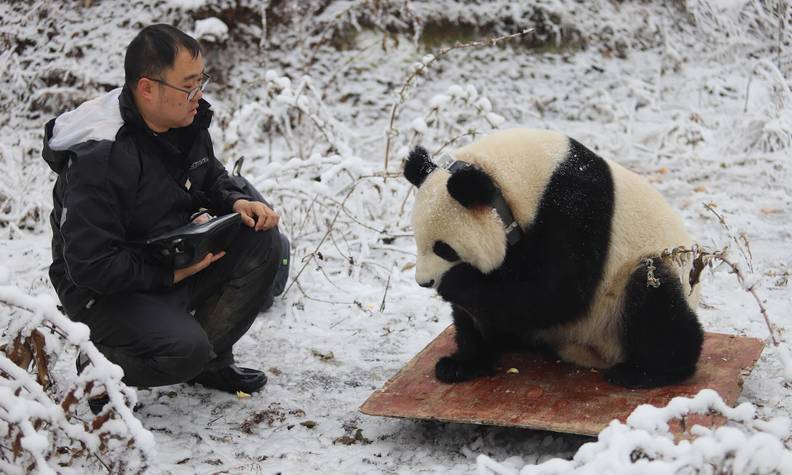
point(169, 337)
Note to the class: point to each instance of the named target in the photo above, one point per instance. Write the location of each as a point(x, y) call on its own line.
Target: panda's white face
point(447, 233)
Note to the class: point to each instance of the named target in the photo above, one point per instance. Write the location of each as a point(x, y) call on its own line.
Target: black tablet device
point(192, 242)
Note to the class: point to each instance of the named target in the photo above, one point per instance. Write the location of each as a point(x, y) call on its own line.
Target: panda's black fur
point(549, 278)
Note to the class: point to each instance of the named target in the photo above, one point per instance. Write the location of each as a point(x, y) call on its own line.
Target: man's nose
point(426, 284)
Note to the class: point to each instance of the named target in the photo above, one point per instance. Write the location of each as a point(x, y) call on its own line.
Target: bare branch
point(421, 68)
point(698, 254)
point(745, 253)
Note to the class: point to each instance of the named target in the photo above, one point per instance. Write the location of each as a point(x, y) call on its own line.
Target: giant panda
point(540, 244)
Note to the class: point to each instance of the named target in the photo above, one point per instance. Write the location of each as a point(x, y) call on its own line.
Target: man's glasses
point(190, 92)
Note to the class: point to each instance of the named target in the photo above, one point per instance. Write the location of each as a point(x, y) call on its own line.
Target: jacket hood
point(96, 120)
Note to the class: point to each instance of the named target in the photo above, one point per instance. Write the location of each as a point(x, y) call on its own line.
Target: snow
point(644, 445)
point(210, 29)
point(438, 101)
point(188, 4)
point(786, 360)
point(419, 125)
point(694, 96)
point(494, 119)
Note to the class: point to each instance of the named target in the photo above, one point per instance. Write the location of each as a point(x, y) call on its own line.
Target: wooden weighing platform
point(550, 395)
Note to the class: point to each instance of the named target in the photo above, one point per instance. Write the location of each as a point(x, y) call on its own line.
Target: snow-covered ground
point(693, 95)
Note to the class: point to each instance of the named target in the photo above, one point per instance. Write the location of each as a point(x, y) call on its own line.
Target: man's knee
point(260, 243)
point(259, 248)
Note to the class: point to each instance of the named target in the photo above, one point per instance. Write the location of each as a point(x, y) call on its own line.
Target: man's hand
point(181, 274)
point(256, 214)
point(201, 218)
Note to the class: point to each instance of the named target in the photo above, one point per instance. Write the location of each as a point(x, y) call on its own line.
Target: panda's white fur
point(521, 163)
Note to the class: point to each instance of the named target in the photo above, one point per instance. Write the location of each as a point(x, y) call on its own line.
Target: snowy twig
point(751, 288)
point(469, 133)
point(424, 65)
point(328, 27)
point(321, 241)
point(782, 6)
point(746, 252)
point(385, 294)
point(702, 258)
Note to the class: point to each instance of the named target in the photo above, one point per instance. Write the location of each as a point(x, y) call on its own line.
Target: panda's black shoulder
point(581, 175)
point(578, 153)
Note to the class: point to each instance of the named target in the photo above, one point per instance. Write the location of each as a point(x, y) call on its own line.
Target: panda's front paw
point(452, 370)
point(462, 284)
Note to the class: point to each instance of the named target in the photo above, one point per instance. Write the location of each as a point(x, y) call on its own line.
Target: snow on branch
point(38, 415)
point(338, 209)
point(25, 200)
point(769, 123)
point(459, 112)
point(421, 68)
point(280, 112)
point(700, 258)
point(645, 444)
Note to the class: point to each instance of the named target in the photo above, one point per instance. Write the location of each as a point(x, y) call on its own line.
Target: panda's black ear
point(471, 187)
point(418, 166)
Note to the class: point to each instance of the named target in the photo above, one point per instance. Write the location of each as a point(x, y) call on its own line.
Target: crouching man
point(132, 165)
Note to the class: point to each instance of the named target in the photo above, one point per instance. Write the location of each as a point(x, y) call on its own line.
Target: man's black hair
point(154, 50)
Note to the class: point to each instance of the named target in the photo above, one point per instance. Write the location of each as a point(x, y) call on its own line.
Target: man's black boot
point(232, 378)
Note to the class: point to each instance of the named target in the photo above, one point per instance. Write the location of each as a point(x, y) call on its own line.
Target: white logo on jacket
point(198, 163)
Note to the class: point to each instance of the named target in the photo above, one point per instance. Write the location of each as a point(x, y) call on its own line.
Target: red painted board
point(550, 395)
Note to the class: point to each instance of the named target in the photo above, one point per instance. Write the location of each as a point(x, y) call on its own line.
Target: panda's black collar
point(511, 226)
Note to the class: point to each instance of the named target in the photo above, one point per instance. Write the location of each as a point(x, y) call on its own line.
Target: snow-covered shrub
point(646, 445)
point(273, 113)
point(211, 30)
point(25, 200)
point(43, 419)
point(458, 113)
point(739, 21)
point(769, 110)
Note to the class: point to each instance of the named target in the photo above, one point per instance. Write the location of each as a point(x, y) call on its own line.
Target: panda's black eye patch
point(445, 251)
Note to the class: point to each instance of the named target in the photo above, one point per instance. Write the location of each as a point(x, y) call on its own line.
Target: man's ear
point(145, 88)
point(471, 187)
point(418, 166)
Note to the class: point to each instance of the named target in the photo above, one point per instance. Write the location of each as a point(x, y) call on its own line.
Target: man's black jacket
point(119, 184)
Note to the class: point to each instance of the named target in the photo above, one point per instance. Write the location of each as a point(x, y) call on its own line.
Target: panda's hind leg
point(662, 336)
